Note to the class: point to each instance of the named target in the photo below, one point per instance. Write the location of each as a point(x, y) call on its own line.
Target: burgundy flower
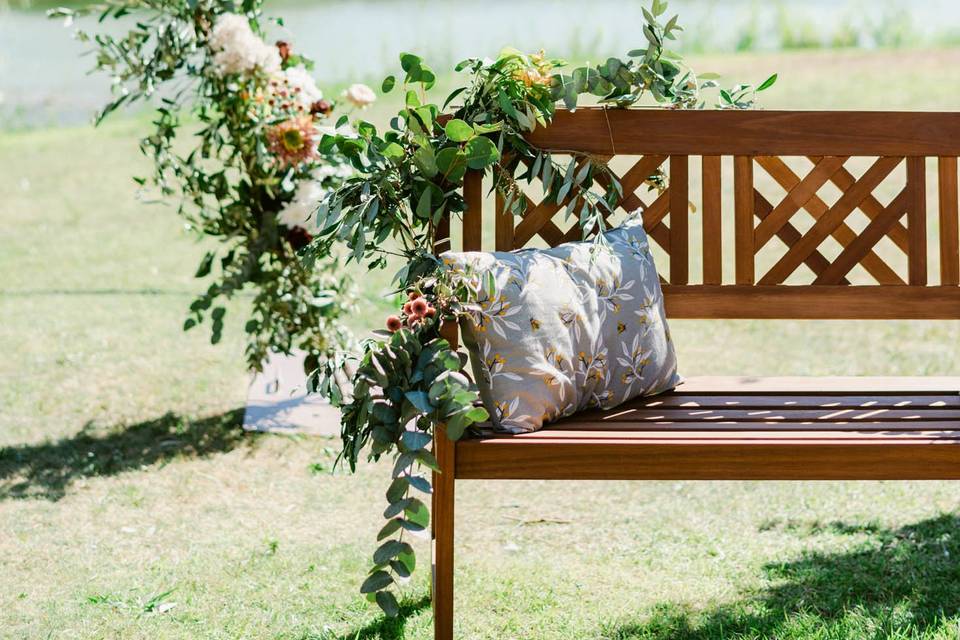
point(394, 324)
point(298, 237)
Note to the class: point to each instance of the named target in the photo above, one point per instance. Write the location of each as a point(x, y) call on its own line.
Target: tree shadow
point(906, 583)
point(48, 469)
point(384, 628)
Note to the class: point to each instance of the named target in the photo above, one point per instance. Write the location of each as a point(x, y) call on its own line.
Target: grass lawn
point(131, 506)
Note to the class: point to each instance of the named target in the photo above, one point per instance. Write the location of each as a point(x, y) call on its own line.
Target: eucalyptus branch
point(408, 178)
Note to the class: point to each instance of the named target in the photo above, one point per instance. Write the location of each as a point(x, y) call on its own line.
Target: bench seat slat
point(827, 385)
point(698, 414)
point(837, 429)
point(948, 431)
point(733, 401)
point(562, 429)
point(702, 460)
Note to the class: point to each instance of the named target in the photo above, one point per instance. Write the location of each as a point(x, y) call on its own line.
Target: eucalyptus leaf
point(458, 130)
point(452, 163)
point(397, 490)
point(387, 551)
point(420, 484)
point(409, 61)
point(417, 513)
point(420, 400)
point(415, 440)
point(396, 508)
point(481, 153)
point(376, 581)
point(408, 559)
point(390, 528)
point(426, 161)
point(388, 603)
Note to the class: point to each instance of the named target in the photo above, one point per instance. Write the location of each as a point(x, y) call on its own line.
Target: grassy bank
point(132, 507)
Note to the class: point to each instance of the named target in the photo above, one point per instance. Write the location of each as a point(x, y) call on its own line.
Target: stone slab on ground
point(277, 401)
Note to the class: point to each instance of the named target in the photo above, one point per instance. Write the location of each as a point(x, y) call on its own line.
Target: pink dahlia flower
point(293, 141)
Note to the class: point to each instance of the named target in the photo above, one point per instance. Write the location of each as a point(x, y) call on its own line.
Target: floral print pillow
point(578, 326)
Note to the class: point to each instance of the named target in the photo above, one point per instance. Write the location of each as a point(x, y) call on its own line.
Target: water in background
point(43, 73)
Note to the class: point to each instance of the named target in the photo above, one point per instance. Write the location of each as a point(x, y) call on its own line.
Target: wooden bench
point(752, 428)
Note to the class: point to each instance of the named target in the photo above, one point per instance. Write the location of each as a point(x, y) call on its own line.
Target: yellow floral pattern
point(577, 326)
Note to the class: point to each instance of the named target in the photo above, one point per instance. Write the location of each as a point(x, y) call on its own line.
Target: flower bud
point(321, 107)
point(284, 49)
point(419, 306)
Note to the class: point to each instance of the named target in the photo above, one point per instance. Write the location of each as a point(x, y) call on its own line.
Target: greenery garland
point(407, 381)
point(234, 144)
point(255, 115)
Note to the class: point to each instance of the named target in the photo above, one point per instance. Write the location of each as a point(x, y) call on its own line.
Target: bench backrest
point(829, 210)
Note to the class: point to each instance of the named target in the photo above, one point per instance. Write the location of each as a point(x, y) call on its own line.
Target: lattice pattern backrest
point(829, 209)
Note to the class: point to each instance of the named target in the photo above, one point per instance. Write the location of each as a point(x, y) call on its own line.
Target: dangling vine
point(407, 381)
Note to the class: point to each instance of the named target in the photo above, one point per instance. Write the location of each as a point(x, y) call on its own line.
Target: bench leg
point(443, 512)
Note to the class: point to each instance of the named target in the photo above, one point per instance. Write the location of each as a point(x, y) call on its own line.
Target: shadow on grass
point(384, 628)
point(47, 470)
point(904, 584)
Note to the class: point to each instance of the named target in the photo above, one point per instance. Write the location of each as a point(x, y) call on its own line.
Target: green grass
point(131, 506)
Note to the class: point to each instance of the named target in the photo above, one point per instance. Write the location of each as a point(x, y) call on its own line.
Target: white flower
point(300, 85)
point(237, 49)
point(332, 171)
point(360, 95)
point(310, 192)
point(305, 201)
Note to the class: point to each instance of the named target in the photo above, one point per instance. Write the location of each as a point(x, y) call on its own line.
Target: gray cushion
point(578, 326)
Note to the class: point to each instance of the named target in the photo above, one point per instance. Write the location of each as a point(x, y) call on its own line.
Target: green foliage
point(212, 156)
point(405, 385)
point(249, 158)
point(409, 179)
point(742, 96)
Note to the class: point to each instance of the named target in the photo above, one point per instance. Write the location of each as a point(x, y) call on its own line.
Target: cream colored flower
point(310, 192)
point(360, 95)
point(300, 85)
point(237, 49)
point(305, 201)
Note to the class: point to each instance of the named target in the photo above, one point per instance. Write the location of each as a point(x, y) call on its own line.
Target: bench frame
point(757, 141)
